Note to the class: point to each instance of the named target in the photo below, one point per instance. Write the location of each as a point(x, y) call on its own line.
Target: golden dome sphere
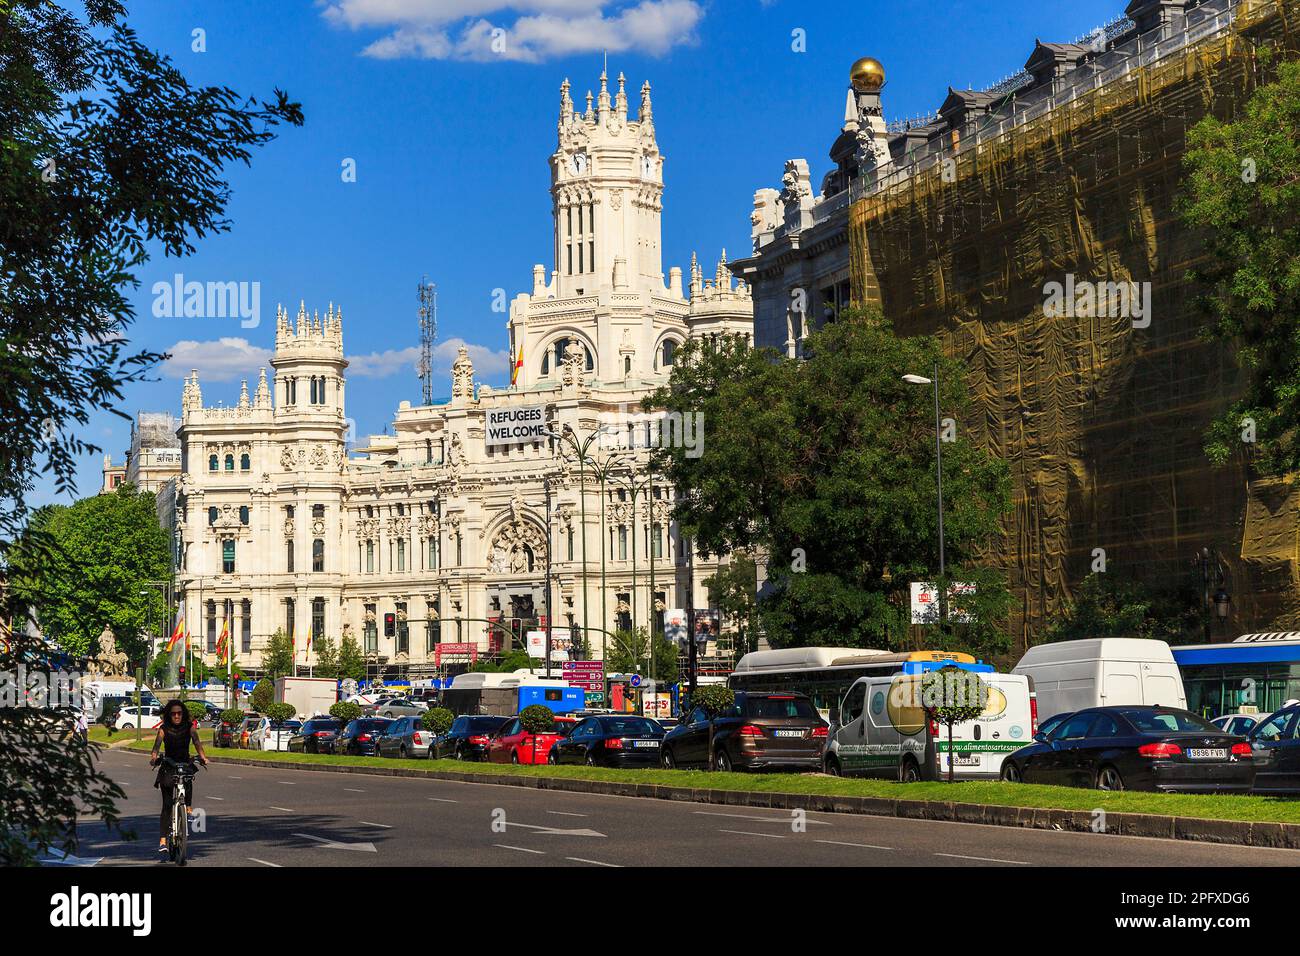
point(867, 75)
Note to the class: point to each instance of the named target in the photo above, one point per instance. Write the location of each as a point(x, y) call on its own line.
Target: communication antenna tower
point(427, 294)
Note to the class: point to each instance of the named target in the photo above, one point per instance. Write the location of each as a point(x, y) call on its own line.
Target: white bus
point(825, 674)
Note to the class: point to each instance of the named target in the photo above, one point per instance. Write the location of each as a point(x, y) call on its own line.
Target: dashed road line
point(771, 836)
point(578, 859)
point(983, 859)
point(266, 862)
point(521, 849)
point(285, 809)
point(864, 846)
point(747, 816)
point(369, 824)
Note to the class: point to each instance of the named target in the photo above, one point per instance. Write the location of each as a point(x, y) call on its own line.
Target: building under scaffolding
point(1071, 173)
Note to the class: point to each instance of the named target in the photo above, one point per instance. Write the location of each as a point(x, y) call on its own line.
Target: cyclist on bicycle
point(175, 734)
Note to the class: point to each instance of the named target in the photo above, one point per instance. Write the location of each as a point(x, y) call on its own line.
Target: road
point(268, 816)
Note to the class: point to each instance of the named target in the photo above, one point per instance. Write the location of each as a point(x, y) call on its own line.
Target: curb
point(1284, 836)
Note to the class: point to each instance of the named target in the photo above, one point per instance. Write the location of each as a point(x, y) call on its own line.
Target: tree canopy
point(828, 465)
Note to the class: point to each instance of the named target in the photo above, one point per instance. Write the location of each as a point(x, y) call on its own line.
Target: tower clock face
point(578, 163)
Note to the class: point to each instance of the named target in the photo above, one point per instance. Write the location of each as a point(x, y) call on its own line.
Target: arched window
point(313, 390)
point(230, 463)
point(244, 462)
point(213, 464)
point(243, 514)
point(669, 353)
point(318, 555)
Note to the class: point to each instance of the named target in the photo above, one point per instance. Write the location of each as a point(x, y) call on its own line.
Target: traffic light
point(390, 624)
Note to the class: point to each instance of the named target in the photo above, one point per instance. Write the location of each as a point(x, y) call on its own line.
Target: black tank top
point(176, 744)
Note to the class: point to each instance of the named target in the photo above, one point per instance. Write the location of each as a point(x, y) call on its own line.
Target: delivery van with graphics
point(883, 730)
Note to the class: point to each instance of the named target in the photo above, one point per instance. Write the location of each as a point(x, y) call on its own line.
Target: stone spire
point(262, 399)
point(602, 102)
point(566, 104)
point(620, 101)
point(243, 394)
point(645, 113)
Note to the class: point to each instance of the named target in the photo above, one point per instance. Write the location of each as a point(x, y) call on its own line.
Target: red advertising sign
point(455, 651)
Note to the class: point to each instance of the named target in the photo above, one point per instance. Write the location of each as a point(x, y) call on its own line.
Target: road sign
point(636, 680)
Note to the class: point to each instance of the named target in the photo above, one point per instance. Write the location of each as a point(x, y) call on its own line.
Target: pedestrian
point(81, 727)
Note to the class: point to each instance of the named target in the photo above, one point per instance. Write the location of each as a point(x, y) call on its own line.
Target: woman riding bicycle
point(174, 736)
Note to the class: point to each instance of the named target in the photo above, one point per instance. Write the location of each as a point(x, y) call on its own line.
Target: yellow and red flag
point(176, 634)
point(519, 364)
point(223, 642)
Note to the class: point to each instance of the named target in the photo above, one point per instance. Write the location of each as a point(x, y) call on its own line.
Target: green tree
point(437, 720)
point(263, 696)
point(108, 546)
point(510, 661)
point(628, 652)
point(351, 662)
point(196, 710)
point(715, 700)
point(733, 590)
point(280, 712)
point(952, 696)
point(828, 465)
point(1110, 605)
point(1241, 194)
point(106, 151)
point(327, 658)
point(278, 658)
point(345, 710)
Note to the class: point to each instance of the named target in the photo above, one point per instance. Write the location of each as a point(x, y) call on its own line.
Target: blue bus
point(1256, 673)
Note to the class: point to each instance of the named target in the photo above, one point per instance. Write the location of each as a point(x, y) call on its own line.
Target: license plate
point(645, 743)
point(1207, 753)
point(966, 760)
point(787, 733)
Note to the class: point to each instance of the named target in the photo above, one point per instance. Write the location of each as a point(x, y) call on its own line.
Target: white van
point(1102, 672)
point(883, 731)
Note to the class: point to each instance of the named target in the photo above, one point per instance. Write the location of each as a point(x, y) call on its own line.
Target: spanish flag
point(519, 364)
point(223, 642)
point(176, 634)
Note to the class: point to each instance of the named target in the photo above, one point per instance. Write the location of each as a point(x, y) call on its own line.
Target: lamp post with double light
point(938, 481)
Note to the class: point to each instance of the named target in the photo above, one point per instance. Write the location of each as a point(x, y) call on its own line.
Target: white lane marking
point(521, 849)
point(578, 859)
point(228, 777)
point(747, 816)
point(865, 846)
point(285, 809)
point(562, 813)
point(441, 800)
point(265, 862)
point(211, 797)
point(553, 831)
point(287, 783)
point(369, 824)
point(353, 790)
point(329, 844)
point(983, 859)
point(773, 836)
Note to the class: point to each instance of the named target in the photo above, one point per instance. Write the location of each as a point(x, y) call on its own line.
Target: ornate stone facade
point(282, 528)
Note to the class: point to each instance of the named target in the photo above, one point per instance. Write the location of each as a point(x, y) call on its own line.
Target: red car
point(513, 744)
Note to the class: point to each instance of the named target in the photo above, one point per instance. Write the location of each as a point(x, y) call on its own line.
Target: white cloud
point(220, 360)
point(541, 29)
point(487, 363)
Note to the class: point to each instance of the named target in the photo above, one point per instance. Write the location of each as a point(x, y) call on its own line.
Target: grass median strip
point(1256, 809)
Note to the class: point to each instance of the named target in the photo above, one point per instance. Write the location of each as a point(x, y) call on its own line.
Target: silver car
point(405, 737)
point(399, 707)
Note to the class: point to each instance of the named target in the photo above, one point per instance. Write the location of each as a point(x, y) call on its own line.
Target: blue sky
point(450, 139)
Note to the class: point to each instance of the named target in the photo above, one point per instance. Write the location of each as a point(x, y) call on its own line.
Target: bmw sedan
point(1135, 748)
point(614, 740)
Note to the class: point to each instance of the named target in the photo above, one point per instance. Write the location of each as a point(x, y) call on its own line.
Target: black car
point(760, 731)
point(359, 737)
point(467, 739)
point(613, 740)
point(1135, 748)
point(1275, 742)
point(316, 736)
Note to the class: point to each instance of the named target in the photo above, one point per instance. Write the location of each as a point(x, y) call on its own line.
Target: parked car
point(1136, 748)
point(268, 734)
point(513, 744)
point(312, 736)
point(400, 707)
point(225, 733)
point(613, 740)
point(146, 718)
point(760, 730)
point(1275, 743)
point(467, 739)
point(359, 737)
point(245, 732)
point(1240, 724)
point(406, 737)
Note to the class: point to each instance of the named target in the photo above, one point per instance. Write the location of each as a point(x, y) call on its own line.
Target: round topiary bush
point(263, 695)
point(537, 719)
point(438, 720)
point(345, 710)
point(197, 711)
point(281, 712)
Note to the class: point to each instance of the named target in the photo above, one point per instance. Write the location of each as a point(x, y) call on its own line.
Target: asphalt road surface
point(267, 816)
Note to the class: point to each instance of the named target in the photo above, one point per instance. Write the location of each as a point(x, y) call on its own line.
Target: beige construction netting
point(1100, 421)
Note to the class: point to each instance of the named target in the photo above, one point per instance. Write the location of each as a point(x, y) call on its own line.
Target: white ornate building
point(280, 528)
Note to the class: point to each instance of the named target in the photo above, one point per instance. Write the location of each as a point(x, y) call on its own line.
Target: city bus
point(825, 674)
point(1252, 674)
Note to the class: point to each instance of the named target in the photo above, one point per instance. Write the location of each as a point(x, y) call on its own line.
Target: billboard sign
point(515, 425)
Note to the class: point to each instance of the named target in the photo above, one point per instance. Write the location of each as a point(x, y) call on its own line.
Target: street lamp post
point(1220, 602)
point(550, 621)
point(938, 480)
point(634, 489)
